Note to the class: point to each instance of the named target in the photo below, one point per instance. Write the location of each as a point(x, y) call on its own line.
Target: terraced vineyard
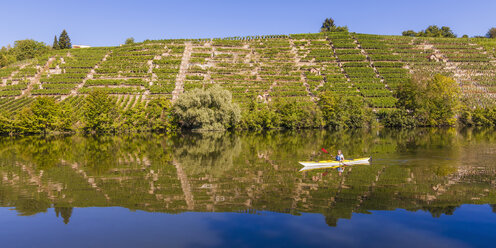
point(267, 68)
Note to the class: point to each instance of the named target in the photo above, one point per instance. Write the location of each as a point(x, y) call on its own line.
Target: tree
point(64, 40)
point(45, 111)
point(159, 115)
point(129, 41)
point(28, 49)
point(55, 43)
point(64, 212)
point(491, 33)
point(99, 112)
point(409, 33)
point(329, 26)
point(342, 111)
point(432, 101)
point(432, 31)
point(42, 116)
point(293, 114)
point(210, 109)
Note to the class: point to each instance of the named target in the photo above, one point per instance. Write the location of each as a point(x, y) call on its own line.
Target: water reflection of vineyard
point(422, 169)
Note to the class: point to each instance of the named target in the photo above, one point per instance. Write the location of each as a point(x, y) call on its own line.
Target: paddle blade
point(324, 150)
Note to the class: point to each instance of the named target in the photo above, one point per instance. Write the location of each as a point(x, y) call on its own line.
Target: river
point(423, 188)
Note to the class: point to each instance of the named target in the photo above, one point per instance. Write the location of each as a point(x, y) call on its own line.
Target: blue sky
point(105, 23)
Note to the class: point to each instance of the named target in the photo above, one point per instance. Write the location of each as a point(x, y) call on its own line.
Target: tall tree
point(55, 43)
point(327, 25)
point(64, 40)
point(491, 33)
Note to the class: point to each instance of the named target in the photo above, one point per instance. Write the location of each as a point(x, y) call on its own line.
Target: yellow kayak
point(311, 165)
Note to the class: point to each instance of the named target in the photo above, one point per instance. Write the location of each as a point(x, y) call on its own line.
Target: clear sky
point(106, 23)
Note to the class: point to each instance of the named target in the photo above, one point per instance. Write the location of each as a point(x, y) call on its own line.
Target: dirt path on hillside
point(36, 79)
point(185, 185)
point(181, 76)
point(88, 76)
point(303, 79)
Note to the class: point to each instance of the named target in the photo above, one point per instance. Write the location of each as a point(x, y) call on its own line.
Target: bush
point(159, 115)
point(298, 115)
point(129, 41)
point(397, 118)
point(259, 116)
point(433, 102)
point(210, 109)
point(478, 116)
point(42, 116)
point(345, 111)
point(99, 112)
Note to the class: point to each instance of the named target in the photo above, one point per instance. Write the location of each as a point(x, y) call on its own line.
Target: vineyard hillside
point(297, 66)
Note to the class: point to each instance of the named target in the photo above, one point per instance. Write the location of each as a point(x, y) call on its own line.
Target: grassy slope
point(296, 66)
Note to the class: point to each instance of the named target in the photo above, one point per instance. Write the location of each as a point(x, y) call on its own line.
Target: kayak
point(311, 165)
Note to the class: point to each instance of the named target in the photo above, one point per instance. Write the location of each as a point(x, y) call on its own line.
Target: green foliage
point(159, 115)
point(210, 109)
point(44, 112)
point(491, 33)
point(298, 115)
point(410, 33)
point(129, 41)
point(397, 118)
point(344, 111)
point(42, 116)
point(288, 114)
point(55, 44)
point(259, 116)
point(431, 31)
point(329, 26)
point(64, 40)
point(478, 116)
point(27, 49)
point(433, 102)
point(99, 112)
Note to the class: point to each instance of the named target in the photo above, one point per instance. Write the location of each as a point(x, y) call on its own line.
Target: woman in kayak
point(340, 156)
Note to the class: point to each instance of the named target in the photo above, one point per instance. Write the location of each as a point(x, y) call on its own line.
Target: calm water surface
point(423, 188)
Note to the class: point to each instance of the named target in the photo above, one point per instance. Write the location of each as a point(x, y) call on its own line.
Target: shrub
point(129, 41)
point(298, 115)
point(396, 118)
point(344, 111)
point(259, 116)
point(209, 109)
point(159, 115)
point(433, 102)
point(42, 116)
point(99, 112)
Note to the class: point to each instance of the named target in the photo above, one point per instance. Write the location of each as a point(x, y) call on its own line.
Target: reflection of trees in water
point(207, 152)
point(64, 212)
point(237, 171)
point(436, 212)
point(27, 207)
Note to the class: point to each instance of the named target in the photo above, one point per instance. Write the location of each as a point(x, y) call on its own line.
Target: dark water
point(423, 188)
